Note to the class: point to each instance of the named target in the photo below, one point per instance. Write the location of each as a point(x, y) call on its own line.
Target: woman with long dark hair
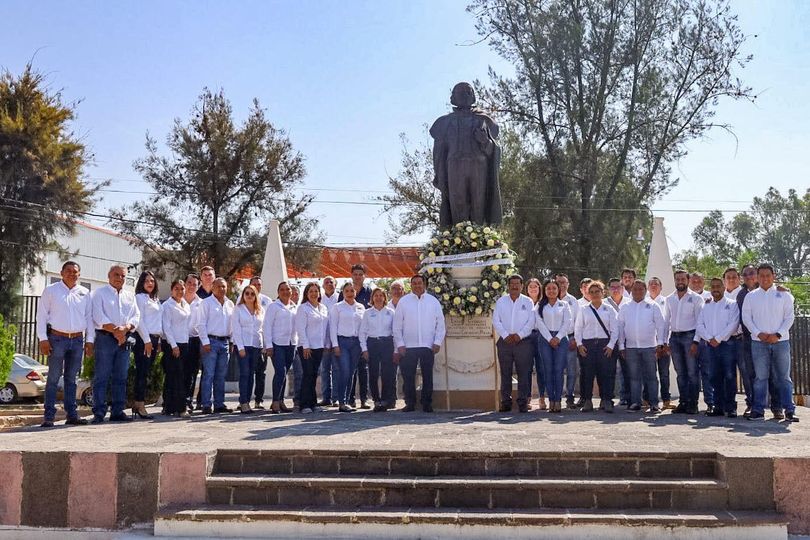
point(553, 318)
point(344, 327)
point(534, 290)
point(279, 342)
point(246, 327)
point(311, 323)
point(147, 338)
point(175, 319)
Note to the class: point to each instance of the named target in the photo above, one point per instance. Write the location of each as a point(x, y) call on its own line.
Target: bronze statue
point(466, 160)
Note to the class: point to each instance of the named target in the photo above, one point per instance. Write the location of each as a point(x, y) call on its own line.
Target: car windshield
point(27, 361)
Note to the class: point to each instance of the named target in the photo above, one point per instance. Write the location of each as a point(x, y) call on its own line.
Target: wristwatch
point(778, 335)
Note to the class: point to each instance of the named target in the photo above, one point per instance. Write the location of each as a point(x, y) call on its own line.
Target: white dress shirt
point(329, 302)
point(150, 316)
point(768, 311)
point(587, 327)
point(376, 323)
point(66, 310)
point(195, 316)
point(418, 322)
point(555, 318)
point(513, 316)
point(246, 327)
point(706, 295)
point(732, 295)
point(312, 325)
point(344, 320)
point(175, 321)
point(682, 313)
point(573, 307)
point(612, 303)
point(114, 307)
point(214, 319)
point(641, 325)
point(718, 320)
point(279, 325)
point(661, 302)
point(265, 301)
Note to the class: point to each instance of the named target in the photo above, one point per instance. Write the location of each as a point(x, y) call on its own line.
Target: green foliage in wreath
point(480, 297)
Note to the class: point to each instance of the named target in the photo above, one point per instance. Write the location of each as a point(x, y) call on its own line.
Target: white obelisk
point(274, 271)
point(659, 263)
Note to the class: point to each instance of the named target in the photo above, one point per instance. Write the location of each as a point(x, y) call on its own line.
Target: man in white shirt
point(115, 317)
point(682, 309)
point(768, 313)
point(642, 334)
point(513, 321)
point(618, 295)
point(329, 298)
point(572, 367)
point(194, 345)
point(717, 323)
point(214, 328)
point(654, 288)
point(697, 284)
point(628, 278)
point(64, 319)
point(261, 364)
point(597, 332)
point(419, 332)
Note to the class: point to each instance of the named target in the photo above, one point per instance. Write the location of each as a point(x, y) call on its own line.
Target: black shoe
point(505, 408)
point(523, 408)
point(46, 423)
point(363, 405)
point(120, 417)
point(427, 408)
point(352, 403)
point(791, 417)
point(714, 411)
point(408, 408)
point(680, 409)
point(747, 412)
point(379, 407)
point(756, 416)
point(624, 403)
point(569, 403)
point(76, 422)
point(634, 407)
point(653, 410)
point(207, 410)
point(97, 420)
point(223, 409)
point(778, 414)
point(692, 409)
point(324, 403)
point(732, 414)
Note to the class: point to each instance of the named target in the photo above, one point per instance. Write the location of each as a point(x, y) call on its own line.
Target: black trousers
point(595, 365)
point(517, 358)
point(143, 364)
point(381, 368)
point(192, 367)
point(423, 357)
point(360, 373)
point(309, 377)
point(174, 369)
point(261, 373)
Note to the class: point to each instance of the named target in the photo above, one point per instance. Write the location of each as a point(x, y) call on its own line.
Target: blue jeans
point(298, 373)
point(112, 362)
point(723, 360)
point(327, 362)
point(642, 369)
point(555, 362)
point(571, 372)
point(686, 366)
point(772, 361)
point(65, 359)
point(539, 368)
point(215, 364)
point(283, 358)
point(247, 373)
point(347, 364)
point(706, 370)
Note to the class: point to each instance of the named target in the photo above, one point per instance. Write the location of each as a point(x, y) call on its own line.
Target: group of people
point(626, 334)
point(359, 336)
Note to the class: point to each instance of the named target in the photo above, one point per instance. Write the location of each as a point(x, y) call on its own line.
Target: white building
point(95, 249)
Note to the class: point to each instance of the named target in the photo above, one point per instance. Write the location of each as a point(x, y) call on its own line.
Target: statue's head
point(463, 96)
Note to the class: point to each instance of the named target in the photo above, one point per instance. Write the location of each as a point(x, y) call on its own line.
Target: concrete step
point(466, 524)
point(524, 464)
point(466, 492)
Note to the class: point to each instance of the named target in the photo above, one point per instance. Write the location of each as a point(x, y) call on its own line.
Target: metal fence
point(24, 318)
point(800, 355)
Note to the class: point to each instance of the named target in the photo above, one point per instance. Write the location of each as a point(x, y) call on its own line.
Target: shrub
point(7, 332)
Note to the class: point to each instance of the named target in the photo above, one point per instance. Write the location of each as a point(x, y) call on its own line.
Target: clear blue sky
point(346, 77)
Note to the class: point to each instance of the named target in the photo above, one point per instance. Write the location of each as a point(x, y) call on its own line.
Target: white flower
point(446, 297)
point(474, 289)
point(457, 240)
point(445, 233)
point(445, 242)
point(487, 230)
point(421, 256)
point(478, 310)
point(484, 282)
point(495, 285)
point(437, 289)
point(490, 242)
point(472, 299)
point(456, 300)
point(431, 254)
point(430, 270)
point(435, 241)
point(469, 229)
point(474, 236)
point(463, 290)
point(486, 295)
point(505, 245)
point(463, 312)
point(454, 313)
point(474, 244)
point(495, 267)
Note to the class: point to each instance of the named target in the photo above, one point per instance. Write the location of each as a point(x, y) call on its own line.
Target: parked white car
point(27, 380)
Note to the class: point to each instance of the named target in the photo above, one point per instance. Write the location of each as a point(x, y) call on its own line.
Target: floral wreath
point(463, 238)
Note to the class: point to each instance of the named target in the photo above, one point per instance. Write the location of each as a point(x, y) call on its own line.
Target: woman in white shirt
point(279, 342)
point(597, 331)
point(377, 344)
point(344, 326)
point(553, 318)
point(311, 324)
point(147, 338)
point(534, 290)
point(246, 326)
point(175, 315)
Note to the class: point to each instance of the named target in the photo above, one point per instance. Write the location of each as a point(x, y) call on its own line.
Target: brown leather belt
point(69, 335)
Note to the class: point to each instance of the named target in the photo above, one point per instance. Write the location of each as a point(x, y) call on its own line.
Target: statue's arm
point(439, 154)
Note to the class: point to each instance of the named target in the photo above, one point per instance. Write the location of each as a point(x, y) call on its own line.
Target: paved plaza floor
point(440, 431)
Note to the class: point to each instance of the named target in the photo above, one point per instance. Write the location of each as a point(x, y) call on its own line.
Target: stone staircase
point(386, 494)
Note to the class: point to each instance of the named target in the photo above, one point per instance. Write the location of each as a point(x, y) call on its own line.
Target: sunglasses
point(249, 294)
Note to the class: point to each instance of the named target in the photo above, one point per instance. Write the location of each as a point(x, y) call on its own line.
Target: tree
point(216, 192)
point(605, 95)
point(775, 229)
point(41, 187)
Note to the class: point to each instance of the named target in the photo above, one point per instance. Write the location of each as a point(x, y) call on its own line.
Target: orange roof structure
point(380, 262)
